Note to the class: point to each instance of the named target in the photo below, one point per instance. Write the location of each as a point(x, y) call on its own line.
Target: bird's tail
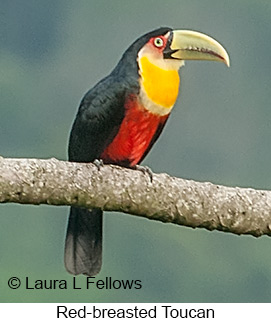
point(83, 247)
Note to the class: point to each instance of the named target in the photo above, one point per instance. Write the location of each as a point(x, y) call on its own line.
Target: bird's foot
point(98, 163)
point(145, 170)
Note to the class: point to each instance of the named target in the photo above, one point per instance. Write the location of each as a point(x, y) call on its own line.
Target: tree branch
point(112, 188)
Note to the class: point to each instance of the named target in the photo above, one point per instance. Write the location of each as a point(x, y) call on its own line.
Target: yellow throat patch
point(160, 85)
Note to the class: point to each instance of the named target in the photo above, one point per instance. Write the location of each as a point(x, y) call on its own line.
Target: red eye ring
point(158, 42)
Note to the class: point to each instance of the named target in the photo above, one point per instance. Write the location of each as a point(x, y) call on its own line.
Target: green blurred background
point(51, 53)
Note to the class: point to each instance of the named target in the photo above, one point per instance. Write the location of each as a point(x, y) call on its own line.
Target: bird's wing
point(98, 120)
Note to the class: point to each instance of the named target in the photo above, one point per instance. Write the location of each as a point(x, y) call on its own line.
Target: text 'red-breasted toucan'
point(122, 116)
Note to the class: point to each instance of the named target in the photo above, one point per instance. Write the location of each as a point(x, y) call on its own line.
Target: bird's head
point(170, 48)
point(160, 54)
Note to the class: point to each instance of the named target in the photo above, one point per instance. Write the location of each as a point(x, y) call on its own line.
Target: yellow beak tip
point(227, 61)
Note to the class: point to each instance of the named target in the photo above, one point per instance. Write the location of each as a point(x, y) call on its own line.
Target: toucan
point(120, 119)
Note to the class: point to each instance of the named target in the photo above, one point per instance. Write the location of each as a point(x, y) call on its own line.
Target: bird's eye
point(158, 42)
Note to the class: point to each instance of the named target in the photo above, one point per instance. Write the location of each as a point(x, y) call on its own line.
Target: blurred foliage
point(51, 53)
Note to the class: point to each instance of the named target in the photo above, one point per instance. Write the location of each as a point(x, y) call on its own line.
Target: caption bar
point(161, 312)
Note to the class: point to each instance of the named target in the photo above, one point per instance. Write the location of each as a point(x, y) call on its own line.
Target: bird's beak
point(192, 45)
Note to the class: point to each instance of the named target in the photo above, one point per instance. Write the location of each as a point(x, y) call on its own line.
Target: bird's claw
point(145, 170)
point(98, 163)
